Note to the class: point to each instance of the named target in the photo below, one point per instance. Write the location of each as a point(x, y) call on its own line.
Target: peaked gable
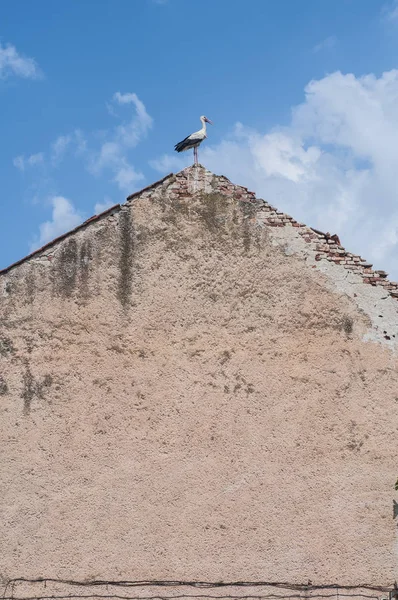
point(344, 270)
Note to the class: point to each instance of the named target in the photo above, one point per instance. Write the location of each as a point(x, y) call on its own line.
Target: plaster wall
point(186, 394)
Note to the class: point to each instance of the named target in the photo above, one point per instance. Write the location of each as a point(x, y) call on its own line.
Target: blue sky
point(303, 94)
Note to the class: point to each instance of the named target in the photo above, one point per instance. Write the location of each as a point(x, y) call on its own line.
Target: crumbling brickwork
point(328, 247)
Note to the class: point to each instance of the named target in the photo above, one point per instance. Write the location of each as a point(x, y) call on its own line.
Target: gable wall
point(185, 394)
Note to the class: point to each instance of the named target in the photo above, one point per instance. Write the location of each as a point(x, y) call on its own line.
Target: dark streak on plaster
point(30, 288)
point(28, 391)
point(33, 389)
point(249, 212)
point(3, 386)
point(85, 258)
point(126, 255)
point(6, 346)
point(212, 210)
point(66, 268)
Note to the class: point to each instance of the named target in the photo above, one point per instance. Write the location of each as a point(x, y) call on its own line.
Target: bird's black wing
point(187, 143)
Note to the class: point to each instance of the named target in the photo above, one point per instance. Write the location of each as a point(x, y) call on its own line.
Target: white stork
point(194, 140)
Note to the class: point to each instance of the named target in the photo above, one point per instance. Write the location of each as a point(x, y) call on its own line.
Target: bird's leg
point(195, 155)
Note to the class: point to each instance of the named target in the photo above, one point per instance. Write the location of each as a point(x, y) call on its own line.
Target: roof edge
point(148, 187)
point(326, 246)
point(112, 209)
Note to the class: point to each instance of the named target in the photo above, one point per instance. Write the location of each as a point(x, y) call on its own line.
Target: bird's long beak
point(208, 121)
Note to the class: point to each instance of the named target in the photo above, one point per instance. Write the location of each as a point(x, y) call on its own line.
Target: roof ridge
point(111, 210)
point(326, 247)
point(97, 217)
point(148, 187)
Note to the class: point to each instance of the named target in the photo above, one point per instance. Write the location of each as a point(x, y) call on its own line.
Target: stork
point(194, 140)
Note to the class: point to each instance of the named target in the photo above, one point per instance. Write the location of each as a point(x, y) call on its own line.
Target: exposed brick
point(324, 245)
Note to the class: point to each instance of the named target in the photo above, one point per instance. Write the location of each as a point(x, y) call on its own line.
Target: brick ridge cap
point(324, 245)
point(327, 246)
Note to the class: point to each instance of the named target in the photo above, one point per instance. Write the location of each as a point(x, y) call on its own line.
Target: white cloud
point(36, 159)
point(20, 162)
point(112, 157)
point(102, 206)
point(75, 140)
point(130, 133)
point(108, 155)
point(80, 142)
point(59, 147)
point(126, 177)
point(64, 217)
point(13, 63)
point(390, 11)
point(169, 163)
point(334, 167)
point(113, 153)
point(101, 152)
point(326, 44)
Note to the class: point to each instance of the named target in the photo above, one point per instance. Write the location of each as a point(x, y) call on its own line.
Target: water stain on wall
point(33, 388)
point(66, 268)
point(126, 254)
point(3, 386)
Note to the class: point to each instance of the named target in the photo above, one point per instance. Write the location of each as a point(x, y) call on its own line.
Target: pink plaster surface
point(182, 399)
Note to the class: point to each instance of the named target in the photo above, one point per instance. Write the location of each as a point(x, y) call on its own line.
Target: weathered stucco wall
point(187, 393)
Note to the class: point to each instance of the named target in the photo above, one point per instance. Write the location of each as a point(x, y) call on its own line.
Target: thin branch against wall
point(205, 584)
point(311, 589)
point(283, 596)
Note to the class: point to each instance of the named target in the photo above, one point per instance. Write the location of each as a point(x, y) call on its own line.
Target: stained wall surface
point(184, 394)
